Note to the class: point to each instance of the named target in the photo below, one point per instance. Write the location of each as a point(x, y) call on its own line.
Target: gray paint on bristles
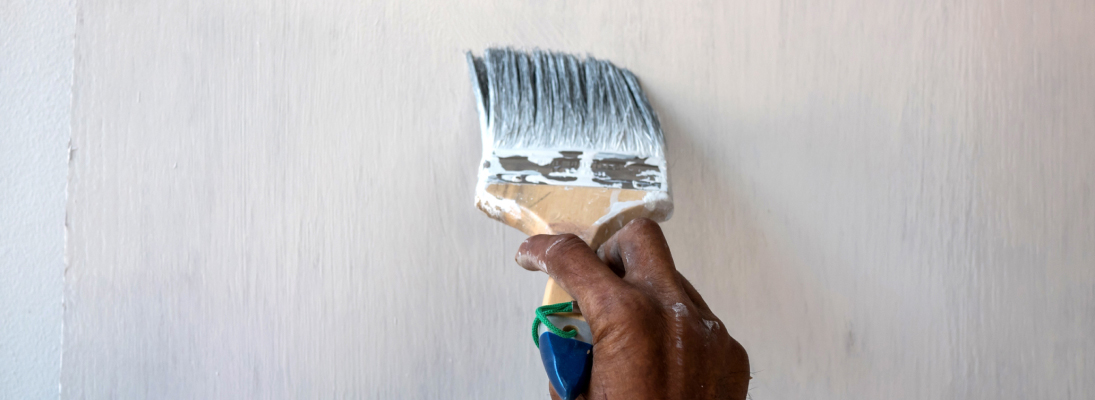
point(553, 118)
point(542, 100)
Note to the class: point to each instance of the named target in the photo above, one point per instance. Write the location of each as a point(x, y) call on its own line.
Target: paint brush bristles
point(547, 100)
point(556, 111)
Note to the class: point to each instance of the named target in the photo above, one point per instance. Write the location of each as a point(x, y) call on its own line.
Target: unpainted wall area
point(880, 200)
point(36, 39)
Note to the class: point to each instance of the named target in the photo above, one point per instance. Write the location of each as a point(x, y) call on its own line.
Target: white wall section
point(881, 200)
point(36, 39)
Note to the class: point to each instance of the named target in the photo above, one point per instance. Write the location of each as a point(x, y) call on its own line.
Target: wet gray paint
point(523, 167)
point(620, 171)
point(549, 100)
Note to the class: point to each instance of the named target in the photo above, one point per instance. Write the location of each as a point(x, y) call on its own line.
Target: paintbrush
point(570, 145)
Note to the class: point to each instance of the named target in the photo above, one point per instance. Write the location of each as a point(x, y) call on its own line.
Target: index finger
point(574, 266)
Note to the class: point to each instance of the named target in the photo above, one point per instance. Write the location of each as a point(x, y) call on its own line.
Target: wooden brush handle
point(592, 213)
point(554, 293)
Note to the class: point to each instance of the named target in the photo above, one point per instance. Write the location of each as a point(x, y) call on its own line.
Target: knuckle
point(561, 245)
point(639, 234)
point(735, 350)
point(643, 227)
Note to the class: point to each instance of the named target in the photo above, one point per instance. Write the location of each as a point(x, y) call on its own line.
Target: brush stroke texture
point(879, 199)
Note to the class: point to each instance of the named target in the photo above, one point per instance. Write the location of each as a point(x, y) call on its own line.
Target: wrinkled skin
point(654, 336)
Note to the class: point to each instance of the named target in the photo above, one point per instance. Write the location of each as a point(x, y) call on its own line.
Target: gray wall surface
point(274, 200)
point(36, 49)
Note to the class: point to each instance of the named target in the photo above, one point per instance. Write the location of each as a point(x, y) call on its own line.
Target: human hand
point(653, 335)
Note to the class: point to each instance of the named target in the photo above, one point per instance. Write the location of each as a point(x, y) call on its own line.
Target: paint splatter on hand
point(654, 336)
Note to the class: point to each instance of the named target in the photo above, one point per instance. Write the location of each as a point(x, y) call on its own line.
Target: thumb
point(574, 266)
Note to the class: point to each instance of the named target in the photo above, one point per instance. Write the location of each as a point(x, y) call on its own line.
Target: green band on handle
point(542, 313)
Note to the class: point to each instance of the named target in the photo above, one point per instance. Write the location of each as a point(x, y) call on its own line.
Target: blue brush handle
point(567, 362)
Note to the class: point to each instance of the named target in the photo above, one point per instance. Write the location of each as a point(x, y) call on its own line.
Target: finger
point(693, 294)
point(574, 266)
point(639, 250)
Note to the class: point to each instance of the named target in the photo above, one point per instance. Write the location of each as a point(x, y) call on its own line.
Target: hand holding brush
point(654, 336)
point(573, 149)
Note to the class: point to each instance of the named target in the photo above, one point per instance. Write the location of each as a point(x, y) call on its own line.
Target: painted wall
point(36, 39)
point(879, 199)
